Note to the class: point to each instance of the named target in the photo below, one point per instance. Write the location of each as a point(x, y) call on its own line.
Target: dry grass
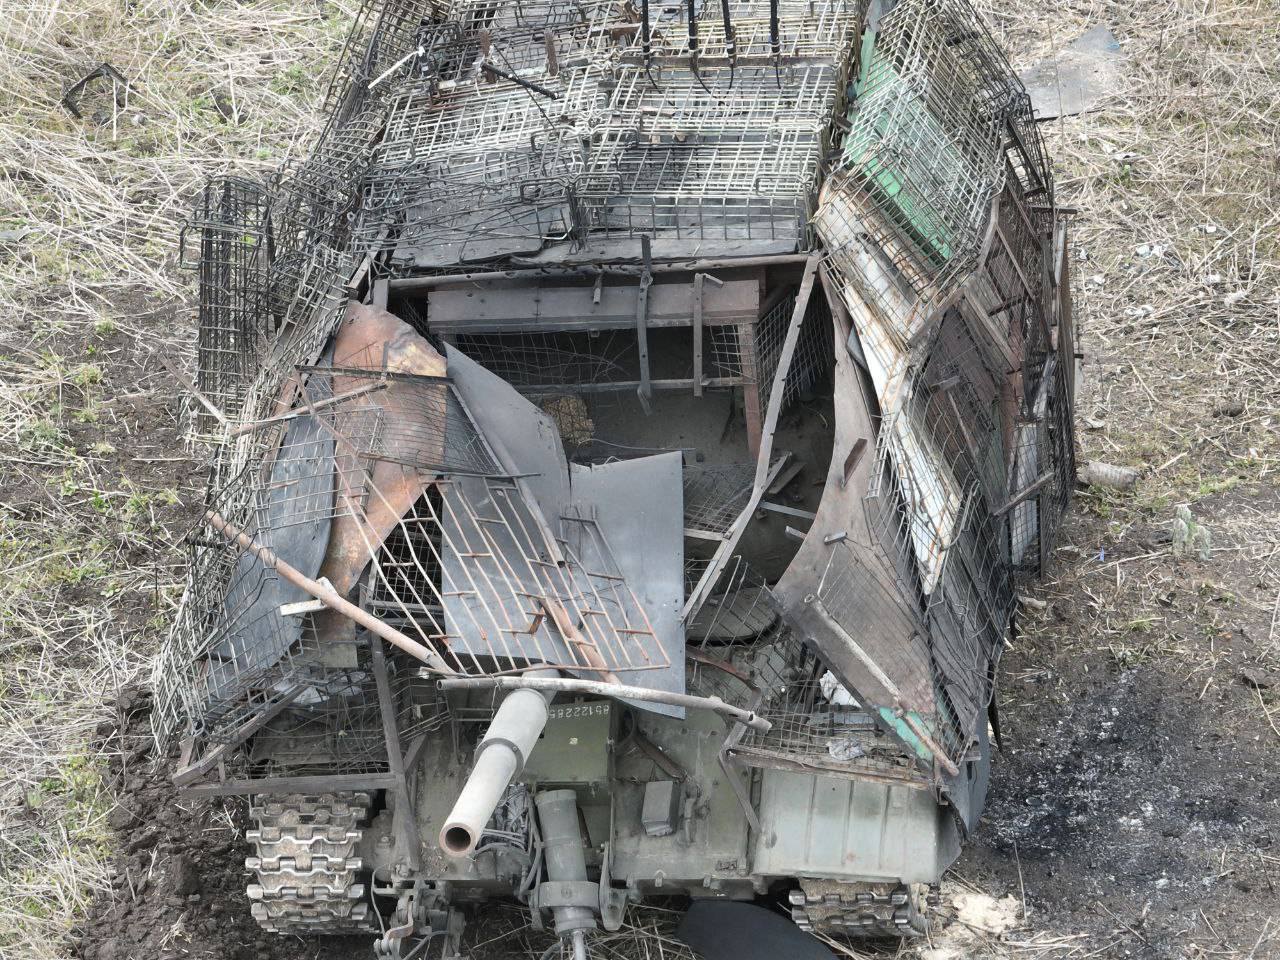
point(1181, 370)
point(1177, 181)
point(87, 481)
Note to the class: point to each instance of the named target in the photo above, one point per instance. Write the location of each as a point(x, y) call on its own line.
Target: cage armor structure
point(628, 427)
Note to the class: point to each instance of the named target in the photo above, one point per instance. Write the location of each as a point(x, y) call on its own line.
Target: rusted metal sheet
point(374, 339)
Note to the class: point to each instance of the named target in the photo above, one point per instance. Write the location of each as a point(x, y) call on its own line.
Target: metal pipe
point(327, 595)
point(402, 284)
point(619, 690)
point(500, 756)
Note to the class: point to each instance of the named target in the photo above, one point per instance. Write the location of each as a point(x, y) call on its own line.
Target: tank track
point(305, 866)
point(862, 910)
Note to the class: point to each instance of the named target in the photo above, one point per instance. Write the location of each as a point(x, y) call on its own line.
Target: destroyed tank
point(628, 427)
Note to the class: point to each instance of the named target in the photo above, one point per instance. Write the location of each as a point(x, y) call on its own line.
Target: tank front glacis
point(628, 427)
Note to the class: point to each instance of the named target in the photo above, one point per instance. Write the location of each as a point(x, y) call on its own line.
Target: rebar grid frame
point(336, 728)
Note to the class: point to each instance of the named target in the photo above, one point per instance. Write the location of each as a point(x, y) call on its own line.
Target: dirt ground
point(1135, 809)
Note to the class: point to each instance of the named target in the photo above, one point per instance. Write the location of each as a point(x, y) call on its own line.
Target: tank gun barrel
point(500, 756)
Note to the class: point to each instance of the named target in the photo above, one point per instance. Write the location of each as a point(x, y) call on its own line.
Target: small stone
point(121, 818)
point(1256, 677)
point(184, 878)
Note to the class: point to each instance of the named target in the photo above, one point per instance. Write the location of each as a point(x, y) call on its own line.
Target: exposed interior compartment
point(695, 377)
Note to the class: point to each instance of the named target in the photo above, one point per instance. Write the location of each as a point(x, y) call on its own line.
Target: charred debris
point(628, 427)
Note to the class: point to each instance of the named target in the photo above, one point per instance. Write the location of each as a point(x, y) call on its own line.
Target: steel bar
point(409, 284)
point(619, 690)
point(765, 471)
point(404, 814)
point(309, 408)
point(698, 281)
point(1022, 495)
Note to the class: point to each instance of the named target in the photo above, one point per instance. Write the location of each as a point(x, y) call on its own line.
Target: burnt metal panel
point(295, 510)
point(637, 505)
point(551, 307)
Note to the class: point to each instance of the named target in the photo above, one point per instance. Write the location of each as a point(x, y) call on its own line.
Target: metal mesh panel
point(679, 161)
point(908, 206)
point(400, 418)
point(715, 495)
point(232, 651)
point(813, 357)
point(409, 575)
point(234, 260)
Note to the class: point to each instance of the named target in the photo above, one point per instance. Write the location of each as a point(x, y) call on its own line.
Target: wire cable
point(730, 40)
point(691, 8)
point(775, 41)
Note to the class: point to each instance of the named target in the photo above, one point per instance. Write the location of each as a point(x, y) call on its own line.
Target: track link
point(306, 867)
point(862, 910)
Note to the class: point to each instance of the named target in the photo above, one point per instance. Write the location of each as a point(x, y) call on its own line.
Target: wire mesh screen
point(535, 362)
point(939, 509)
point(812, 358)
point(232, 650)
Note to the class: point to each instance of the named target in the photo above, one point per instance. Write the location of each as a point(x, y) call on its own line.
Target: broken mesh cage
point(938, 121)
point(335, 725)
point(273, 306)
point(772, 671)
point(809, 731)
point(473, 165)
point(924, 222)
